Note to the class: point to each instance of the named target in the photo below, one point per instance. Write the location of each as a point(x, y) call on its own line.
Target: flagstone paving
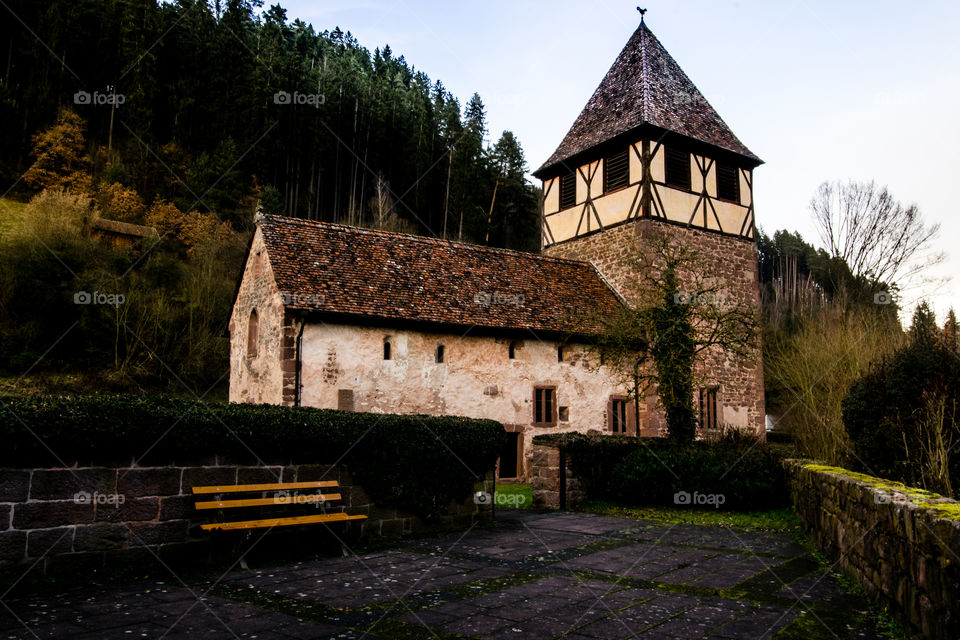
point(557, 575)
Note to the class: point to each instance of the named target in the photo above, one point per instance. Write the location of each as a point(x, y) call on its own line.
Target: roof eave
point(546, 171)
point(432, 326)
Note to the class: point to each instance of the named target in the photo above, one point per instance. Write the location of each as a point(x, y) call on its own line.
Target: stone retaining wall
point(78, 519)
point(902, 545)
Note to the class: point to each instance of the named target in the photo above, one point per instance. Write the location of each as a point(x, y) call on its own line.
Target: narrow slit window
point(440, 353)
point(386, 350)
point(253, 334)
point(568, 190)
point(677, 167)
point(708, 408)
point(512, 351)
point(560, 353)
point(616, 171)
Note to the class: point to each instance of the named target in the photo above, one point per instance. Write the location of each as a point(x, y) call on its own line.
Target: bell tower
point(648, 155)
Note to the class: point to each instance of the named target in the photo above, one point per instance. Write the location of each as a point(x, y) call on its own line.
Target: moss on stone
point(917, 497)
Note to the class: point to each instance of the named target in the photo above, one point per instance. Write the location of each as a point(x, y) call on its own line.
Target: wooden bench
point(235, 491)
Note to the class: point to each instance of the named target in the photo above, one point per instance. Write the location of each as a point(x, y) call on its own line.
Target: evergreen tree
point(950, 332)
point(229, 95)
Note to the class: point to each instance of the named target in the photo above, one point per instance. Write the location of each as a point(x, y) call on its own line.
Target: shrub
point(902, 416)
point(650, 471)
point(417, 463)
point(808, 374)
point(747, 478)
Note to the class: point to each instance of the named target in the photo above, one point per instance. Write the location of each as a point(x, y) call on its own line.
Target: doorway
point(510, 457)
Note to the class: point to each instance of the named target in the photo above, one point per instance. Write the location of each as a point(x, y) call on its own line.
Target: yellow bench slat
point(280, 522)
point(262, 502)
point(272, 486)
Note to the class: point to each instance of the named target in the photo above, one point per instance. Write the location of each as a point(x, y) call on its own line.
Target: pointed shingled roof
point(645, 86)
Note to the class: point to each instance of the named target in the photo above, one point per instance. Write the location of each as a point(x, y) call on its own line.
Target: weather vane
point(642, 11)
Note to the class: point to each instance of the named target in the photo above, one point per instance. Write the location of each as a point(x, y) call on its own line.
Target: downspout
point(298, 366)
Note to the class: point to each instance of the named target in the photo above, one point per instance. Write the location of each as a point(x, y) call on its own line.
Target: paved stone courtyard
point(558, 575)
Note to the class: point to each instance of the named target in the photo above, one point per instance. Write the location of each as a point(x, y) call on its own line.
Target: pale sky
point(819, 90)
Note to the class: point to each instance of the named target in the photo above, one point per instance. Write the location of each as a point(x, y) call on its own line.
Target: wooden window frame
point(709, 400)
point(554, 418)
point(562, 203)
point(736, 182)
point(607, 188)
point(629, 426)
point(668, 151)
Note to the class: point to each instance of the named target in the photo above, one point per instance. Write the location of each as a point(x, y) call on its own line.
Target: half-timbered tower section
point(649, 156)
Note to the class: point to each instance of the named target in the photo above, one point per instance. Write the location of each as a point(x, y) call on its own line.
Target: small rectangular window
point(618, 415)
point(616, 171)
point(545, 406)
point(345, 399)
point(728, 183)
point(568, 190)
point(440, 353)
point(677, 167)
point(708, 408)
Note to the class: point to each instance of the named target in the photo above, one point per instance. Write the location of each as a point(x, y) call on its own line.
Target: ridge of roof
point(426, 240)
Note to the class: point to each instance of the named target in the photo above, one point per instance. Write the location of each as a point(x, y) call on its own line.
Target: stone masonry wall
point(85, 519)
point(546, 479)
point(732, 260)
point(269, 375)
point(901, 545)
point(477, 378)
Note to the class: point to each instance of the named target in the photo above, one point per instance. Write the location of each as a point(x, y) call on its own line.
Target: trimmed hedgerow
point(415, 463)
point(651, 471)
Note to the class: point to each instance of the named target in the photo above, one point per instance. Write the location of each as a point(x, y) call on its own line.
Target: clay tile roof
point(336, 269)
point(645, 85)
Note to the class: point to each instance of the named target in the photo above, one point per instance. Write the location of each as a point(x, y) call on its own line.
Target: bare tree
point(384, 211)
point(878, 237)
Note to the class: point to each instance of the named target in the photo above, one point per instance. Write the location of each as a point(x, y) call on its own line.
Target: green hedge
point(416, 463)
point(651, 471)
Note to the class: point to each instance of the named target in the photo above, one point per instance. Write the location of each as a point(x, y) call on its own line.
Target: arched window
point(512, 350)
point(440, 353)
point(386, 349)
point(253, 334)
